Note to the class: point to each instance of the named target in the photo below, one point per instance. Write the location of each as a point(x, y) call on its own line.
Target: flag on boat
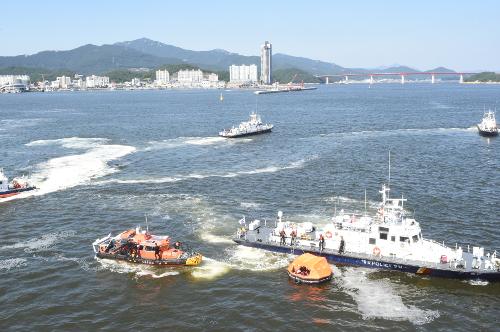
point(242, 221)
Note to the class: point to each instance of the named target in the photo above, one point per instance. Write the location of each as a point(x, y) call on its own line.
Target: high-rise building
point(190, 76)
point(243, 74)
point(266, 63)
point(162, 77)
point(97, 81)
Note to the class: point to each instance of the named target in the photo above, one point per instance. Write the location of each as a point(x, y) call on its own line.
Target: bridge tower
point(433, 79)
point(371, 79)
point(326, 80)
point(402, 79)
point(461, 78)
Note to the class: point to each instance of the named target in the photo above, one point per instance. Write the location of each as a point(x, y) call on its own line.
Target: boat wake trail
point(69, 171)
point(177, 178)
point(39, 244)
point(397, 132)
point(191, 141)
point(138, 270)
point(12, 263)
point(378, 299)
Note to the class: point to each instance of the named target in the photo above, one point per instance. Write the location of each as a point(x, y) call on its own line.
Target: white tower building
point(266, 63)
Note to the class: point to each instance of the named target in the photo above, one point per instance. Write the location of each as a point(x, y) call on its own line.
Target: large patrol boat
point(391, 240)
point(253, 126)
point(17, 186)
point(488, 126)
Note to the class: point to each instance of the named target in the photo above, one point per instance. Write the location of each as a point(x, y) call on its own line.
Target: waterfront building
point(162, 77)
point(136, 82)
point(97, 81)
point(212, 77)
point(14, 79)
point(190, 76)
point(243, 74)
point(266, 63)
point(63, 82)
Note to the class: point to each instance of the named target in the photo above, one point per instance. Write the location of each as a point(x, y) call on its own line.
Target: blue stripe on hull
point(374, 264)
point(15, 191)
point(249, 134)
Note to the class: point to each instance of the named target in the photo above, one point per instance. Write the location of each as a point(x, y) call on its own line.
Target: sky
point(462, 35)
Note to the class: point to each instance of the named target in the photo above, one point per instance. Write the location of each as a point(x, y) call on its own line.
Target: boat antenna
point(365, 202)
point(334, 202)
point(389, 180)
point(147, 226)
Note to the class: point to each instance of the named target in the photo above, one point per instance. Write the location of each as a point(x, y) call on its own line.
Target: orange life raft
point(310, 269)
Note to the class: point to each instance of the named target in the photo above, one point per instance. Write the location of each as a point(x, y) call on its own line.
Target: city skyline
point(458, 35)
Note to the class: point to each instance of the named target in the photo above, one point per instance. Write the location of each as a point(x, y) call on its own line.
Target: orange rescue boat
point(139, 246)
point(310, 269)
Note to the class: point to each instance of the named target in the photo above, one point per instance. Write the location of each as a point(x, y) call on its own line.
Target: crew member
point(321, 242)
point(342, 245)
point(177, 245)
point(292, 235)
point(157, 251)
point(282, 237)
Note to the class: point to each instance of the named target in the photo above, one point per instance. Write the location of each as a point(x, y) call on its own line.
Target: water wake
point(12, 263)
point(378, 299)
point(138, 270)
point(69, 171)
point(177, 178)
point(45, 242)
point(191, 141)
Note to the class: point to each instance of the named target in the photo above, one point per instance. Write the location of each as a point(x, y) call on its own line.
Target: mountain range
point(147, 53)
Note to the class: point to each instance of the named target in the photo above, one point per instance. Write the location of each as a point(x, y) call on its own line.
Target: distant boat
point(221, 98)
point(488, 127)
point(254, 126)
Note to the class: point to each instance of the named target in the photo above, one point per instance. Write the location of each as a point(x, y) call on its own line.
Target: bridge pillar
point(433, 79)
point(346, 78)
point(461, 78)
point(402, 79)
point(326, 80)
point(371, 79)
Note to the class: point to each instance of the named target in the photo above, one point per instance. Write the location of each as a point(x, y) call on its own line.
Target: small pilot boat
point(17, 186)
point(140, 246)
point(488, 126)
point(310, 269)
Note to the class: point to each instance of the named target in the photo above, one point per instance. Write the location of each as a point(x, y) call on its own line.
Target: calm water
point(104, 159)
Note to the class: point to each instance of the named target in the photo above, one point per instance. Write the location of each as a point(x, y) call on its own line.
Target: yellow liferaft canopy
point(318, 267)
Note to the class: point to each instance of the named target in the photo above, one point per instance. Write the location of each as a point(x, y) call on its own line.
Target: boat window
point(420, 235)
point(371, 241)
point(415, 238)
point(403, 238)
point(383, 229)
point(147, 248)
point(383, 236)
point(393, 238)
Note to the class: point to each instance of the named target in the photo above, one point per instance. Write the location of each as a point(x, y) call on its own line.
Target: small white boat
point(488, 127)
point(253, 126)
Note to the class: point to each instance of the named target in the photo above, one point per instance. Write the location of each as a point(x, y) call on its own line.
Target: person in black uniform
point(342, 245)
point(157, 251)
point(321, 242)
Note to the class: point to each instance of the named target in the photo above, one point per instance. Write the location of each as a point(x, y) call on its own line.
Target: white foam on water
point(477, 282)
point(69, 171)
point(12, 263)
point(71, 142)
point(138, 270)
point(211, 238)
point(210, 269)
point(191, 141)
point(177, 178)
point(250, 205)
point(42, 243)
point(254, 259)
point(379, 299)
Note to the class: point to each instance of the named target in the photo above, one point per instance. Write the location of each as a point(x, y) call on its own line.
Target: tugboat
point(140, 246)
point(391, 240)
point(17, 186)
point(253, 126)
point(488, 127)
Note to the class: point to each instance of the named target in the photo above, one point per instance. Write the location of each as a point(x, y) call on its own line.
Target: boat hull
point(487, 133)
point(190, 261)
point(248, 134)
point(13, 192)
point(346, 259)
point(300, 280)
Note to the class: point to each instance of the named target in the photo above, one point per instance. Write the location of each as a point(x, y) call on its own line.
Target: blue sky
point(463, 35)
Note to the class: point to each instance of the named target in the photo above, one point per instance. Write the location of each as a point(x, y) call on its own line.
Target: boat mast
point(365, 202)
point(389, 180)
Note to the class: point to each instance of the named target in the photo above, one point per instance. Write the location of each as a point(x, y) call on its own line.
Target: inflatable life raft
point(310, 269)
point(139, 246)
